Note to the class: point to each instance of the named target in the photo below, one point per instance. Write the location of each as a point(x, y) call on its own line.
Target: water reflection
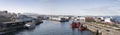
point(52, 28)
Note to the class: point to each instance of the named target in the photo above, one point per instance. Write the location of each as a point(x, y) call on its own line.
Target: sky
point(63, 7)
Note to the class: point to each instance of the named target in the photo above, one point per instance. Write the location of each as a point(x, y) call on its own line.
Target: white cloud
point(64, 8)
point(105, 10)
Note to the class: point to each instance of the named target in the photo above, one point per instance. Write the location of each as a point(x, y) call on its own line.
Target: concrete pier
point(6, 27)
point(101, 30)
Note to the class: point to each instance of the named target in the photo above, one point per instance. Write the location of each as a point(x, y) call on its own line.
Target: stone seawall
point(101, 30)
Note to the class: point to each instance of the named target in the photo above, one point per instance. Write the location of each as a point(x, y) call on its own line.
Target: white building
point(101, 18)
point(81, 19)
point(66, 17)
point(55, 18)
point(107, 20)
point(5, 13)
point(5, 16)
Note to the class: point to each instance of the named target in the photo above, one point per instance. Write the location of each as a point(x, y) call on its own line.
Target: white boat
point(30, 24)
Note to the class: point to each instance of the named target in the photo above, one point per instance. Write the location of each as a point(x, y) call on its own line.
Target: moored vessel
point(74, 25)
point(81, 27)
point(30, 24)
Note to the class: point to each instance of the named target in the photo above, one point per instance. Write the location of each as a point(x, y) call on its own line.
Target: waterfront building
point(107, 20)
point(89, 19)
point(81, 19)
point(55, 18)
point(4, 13)
point(5, 16)
point(99, 19)
point(59, 18)
point(72, 18)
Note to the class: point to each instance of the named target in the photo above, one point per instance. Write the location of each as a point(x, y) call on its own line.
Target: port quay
point(22, 24)
point(101, 30)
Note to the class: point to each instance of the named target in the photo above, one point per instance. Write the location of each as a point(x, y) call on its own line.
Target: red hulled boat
point(81, 28)
point(78, 24)
point(74, 25)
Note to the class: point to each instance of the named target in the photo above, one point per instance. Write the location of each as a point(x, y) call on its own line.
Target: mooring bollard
point(97, 32)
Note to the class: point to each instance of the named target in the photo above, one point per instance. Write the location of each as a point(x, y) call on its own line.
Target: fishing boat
point(78, 24)
point(74, 25)
point(30, 24)
point(81, 27)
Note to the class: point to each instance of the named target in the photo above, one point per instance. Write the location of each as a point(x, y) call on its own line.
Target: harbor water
point(52, 28)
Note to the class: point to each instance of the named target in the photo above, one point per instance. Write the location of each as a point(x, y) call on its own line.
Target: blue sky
point(63, 7)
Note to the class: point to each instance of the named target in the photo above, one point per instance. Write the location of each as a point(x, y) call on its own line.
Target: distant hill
point(31, 14)
point(34, 14)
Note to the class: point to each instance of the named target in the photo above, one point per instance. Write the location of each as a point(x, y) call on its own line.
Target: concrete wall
point(102, 30)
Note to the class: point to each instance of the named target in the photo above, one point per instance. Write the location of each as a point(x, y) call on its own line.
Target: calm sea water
point(52, 28)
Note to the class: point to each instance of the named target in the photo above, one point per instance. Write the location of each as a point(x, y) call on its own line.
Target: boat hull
point(74, 25)
point(81, 28)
